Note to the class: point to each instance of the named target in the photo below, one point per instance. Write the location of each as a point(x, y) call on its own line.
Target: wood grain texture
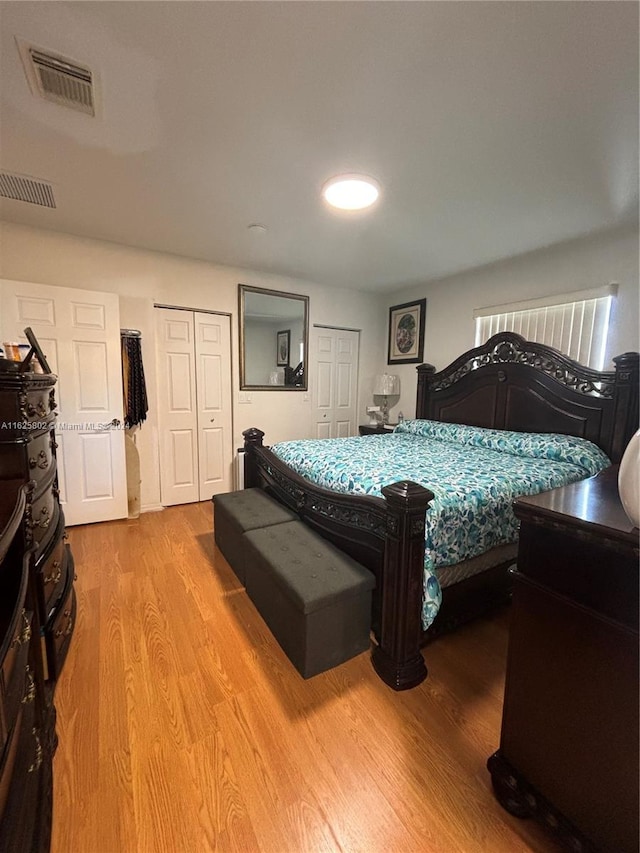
point(183, 726)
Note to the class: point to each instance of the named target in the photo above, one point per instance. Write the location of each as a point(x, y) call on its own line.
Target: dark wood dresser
point(37, 604)
point(569, 743)
point(28, 452)
point(27, 718)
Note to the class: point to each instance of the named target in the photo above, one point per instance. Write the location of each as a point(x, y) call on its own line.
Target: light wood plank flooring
point(183, 727)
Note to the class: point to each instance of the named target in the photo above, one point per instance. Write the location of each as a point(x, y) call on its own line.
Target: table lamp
point(386, 385)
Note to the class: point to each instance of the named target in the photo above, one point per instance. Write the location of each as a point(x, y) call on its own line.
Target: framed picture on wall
point(283, 342)
point(406, 332)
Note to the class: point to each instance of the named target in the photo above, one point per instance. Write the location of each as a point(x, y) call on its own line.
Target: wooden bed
point(507, 383)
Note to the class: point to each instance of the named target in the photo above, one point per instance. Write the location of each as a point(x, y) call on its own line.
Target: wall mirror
point(274, 338)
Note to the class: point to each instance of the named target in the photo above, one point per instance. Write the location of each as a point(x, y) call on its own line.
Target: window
point(574, 323)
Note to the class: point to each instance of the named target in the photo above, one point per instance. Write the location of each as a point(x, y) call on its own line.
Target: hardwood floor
point(183, 726)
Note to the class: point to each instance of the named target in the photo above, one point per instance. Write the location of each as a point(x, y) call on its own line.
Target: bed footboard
point(386, 535)
point(397, 657)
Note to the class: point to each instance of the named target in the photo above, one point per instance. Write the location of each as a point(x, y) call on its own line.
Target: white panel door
point(323, 346)
point(177, 407)
point(335, 382)
point(79, 332)
point(213, 392)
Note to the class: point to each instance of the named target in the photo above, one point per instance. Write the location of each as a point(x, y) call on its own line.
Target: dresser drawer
point(22, 776)
point(18, 683)
point(594, 575)
point(51, 573)
point(27, 408)
point(42, 519)
point(14, 651)
point(36, 404)
point(27, 458)
point(18, 634)
point(8, 761)
point(22, 692)
point(40, 460)
point(59, 630)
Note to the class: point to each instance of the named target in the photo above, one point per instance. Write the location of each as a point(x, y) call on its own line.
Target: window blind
point(576, 324)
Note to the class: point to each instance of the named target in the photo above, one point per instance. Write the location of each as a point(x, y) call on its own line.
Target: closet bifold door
point(177, 407)
point(213, 393)
point(194, 401)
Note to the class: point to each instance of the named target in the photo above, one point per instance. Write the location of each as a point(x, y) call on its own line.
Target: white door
point(194, 402)
point(213, 393)
point(79, 332)
point(335, 382)
point(177, 408)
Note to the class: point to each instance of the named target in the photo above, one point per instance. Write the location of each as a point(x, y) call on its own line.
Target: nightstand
point(569, 743)
point(368, 429)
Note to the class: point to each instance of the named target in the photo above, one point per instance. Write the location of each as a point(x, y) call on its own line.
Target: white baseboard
point(152, 508)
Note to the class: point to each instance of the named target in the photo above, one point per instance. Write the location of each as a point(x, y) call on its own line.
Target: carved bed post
point(625, 400)
point(425, 372)
point(252, 438)
point(397, 658)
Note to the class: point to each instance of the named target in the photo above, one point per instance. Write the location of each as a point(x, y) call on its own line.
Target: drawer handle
point(30, 691)
point(57, 568)
point(69, 629)
point(38, 757)
point(42, 461)
point(40, 409)
point(25, 633)
point(45, 521)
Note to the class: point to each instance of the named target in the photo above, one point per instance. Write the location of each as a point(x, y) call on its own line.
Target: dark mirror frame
point(297, 377)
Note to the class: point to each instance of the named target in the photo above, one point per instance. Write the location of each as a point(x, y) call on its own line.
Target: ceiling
point(494, 129)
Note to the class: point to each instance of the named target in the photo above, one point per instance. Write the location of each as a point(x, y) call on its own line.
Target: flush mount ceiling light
point(351, 192)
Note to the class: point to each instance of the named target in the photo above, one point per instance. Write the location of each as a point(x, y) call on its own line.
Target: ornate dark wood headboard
point(512, 383)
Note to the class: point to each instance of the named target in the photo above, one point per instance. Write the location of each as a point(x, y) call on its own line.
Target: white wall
point(144, 277)
point(578, 265)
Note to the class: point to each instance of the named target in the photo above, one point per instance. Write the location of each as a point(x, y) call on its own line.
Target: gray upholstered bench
point(315, 599)
point(236, 512)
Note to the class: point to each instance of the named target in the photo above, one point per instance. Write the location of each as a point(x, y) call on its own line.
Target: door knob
point(115, 422)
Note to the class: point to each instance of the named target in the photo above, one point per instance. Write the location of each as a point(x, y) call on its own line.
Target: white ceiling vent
point(24, 188)
point(58, 78)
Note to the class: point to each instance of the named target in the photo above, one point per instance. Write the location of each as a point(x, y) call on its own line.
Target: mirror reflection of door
point(273, 339)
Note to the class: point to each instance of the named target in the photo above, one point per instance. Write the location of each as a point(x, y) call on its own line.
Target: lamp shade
point(386, 384)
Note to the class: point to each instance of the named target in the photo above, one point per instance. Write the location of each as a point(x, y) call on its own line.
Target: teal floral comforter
point(474, 474)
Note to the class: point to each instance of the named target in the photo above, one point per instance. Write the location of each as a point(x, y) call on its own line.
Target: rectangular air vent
point(58, 78)
point(24, 188)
